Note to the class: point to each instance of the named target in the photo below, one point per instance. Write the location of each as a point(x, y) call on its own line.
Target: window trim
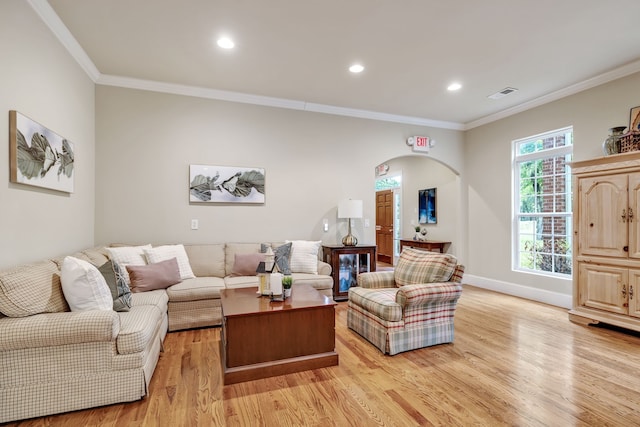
point(517, 159)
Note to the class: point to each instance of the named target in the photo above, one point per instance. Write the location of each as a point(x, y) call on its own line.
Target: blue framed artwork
point(427, 213)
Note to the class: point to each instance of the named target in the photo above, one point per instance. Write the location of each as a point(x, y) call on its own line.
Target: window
point(542, 225)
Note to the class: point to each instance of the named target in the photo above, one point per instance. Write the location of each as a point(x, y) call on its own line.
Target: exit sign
point(420, 143)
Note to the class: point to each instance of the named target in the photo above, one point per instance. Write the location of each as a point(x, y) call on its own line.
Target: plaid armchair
point(410, 307)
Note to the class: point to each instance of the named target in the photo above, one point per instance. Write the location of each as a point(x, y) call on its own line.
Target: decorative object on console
point(634, 120)
point(224, 184)
point(427, 206)
point(350, 209)
point(33, 162)
point(421, 234)
point(611, 145)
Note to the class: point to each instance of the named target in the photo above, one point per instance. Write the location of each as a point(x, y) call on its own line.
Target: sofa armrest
point(428, 293)
point(376, 280)
point(324, 268)
point(52, 329)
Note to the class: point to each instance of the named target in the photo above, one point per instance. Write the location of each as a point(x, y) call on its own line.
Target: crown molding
point(55, 24)
point(53, 21)
point(222, 95)
point(625, 70)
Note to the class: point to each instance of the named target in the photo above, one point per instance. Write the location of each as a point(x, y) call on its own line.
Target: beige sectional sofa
point(54, 360)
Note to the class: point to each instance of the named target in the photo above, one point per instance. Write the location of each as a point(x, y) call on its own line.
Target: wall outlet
point(194, 224)
point(366, 222)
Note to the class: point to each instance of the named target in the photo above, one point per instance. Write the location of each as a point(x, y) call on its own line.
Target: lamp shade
point(350, 209)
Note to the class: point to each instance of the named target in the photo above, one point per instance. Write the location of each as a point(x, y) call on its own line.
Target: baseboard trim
point(535, 294)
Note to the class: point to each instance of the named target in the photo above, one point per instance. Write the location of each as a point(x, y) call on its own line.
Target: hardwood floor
point(514, 363)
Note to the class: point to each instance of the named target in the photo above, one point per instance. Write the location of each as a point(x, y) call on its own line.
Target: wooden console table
point(346, 263)
point(429, 245)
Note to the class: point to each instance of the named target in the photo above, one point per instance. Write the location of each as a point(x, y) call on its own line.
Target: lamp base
point(349, 240)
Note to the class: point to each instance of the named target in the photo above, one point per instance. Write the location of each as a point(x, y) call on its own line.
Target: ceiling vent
point(504, 92)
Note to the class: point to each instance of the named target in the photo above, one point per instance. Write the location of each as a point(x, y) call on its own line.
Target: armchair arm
point(49, 329)
point(427, 293)
point(376, 280)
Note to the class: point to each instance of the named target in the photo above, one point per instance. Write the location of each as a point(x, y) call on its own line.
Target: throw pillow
point(160, 275)
point(246, 264)
point(282, 255)
point(83, 286)
point(120, 291)
point(416, 266)
point(163, 253)
point(30, 289)
point(304, 256)
point(128, 255)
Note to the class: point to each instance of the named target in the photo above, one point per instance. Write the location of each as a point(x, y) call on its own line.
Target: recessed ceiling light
point(226, 43)
point(454, 86)
point(356, 68)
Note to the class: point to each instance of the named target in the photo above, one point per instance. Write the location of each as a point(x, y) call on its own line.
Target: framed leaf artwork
point(39, 156)
point(226, 184)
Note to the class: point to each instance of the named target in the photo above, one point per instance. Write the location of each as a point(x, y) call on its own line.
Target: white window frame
point(538, 155)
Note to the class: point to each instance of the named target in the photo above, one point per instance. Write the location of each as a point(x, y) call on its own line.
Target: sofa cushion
point(84, 286)
point(380, 302)
point(31, 289)
point(304, 256)
point(159, 275)
point(97, 256)
point(120, 291)
point(137, 327)
point(207, 260)
point(416, 266)
point(157, 298)
point(241, 282)
point(246, 264)
point(199, 288)
point(231, 249)
point(315, 280)
point(163, 253)
point(128, 255)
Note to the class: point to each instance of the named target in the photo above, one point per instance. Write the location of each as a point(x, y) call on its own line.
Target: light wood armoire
point(606, 244)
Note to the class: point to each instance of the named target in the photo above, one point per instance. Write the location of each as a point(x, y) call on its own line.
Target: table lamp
point(350, 209)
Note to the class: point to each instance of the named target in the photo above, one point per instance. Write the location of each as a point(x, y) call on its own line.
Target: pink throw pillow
point(160, 275)
point(246, 264)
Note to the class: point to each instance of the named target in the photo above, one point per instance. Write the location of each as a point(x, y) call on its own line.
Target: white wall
point(39, 79)
point(488, 181)
point(146, 142)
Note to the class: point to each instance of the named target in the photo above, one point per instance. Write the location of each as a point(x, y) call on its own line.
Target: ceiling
point(295, 53)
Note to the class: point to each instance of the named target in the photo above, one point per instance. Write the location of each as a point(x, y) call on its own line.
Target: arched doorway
point(397, 206)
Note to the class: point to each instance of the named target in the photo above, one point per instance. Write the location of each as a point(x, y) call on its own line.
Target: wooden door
point(384, 225)
point(603, 215)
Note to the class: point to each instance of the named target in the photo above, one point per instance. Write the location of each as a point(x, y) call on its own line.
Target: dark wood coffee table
point(261, 338)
